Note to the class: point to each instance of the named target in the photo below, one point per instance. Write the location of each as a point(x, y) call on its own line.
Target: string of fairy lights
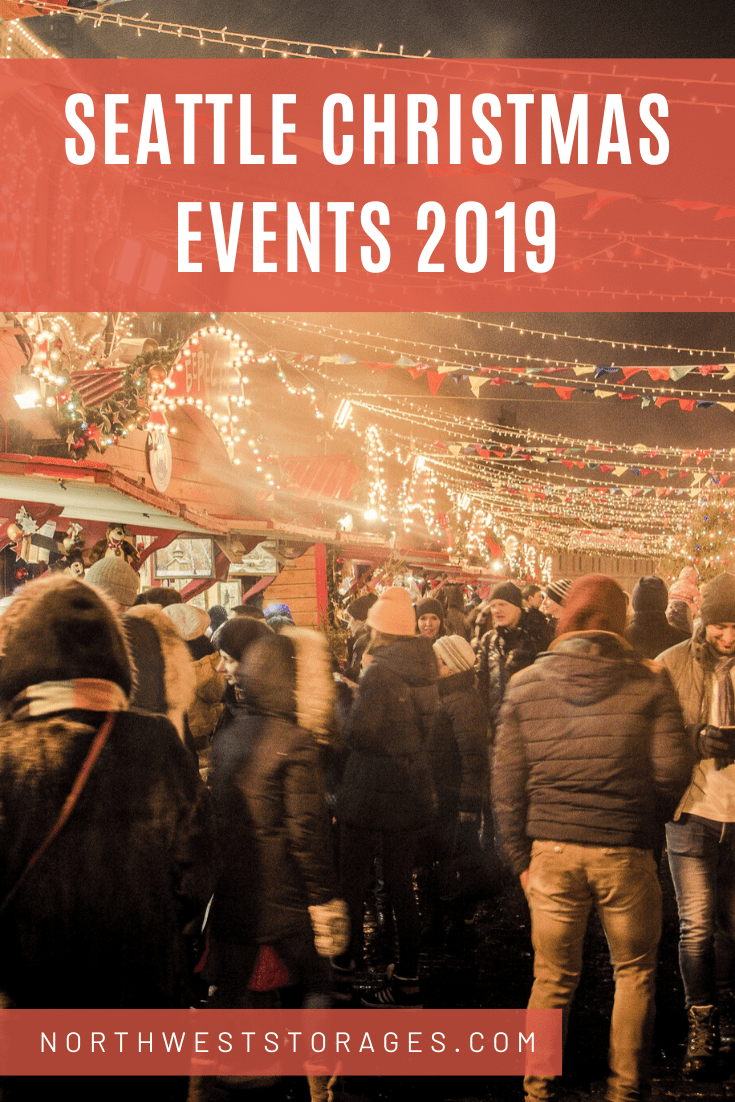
point(265, 46)
point(424, 471)
point(535, 374)
point(660, 531)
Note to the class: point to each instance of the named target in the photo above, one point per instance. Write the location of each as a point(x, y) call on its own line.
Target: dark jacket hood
point(588, 666)
point(412, 659)
point(290, 675)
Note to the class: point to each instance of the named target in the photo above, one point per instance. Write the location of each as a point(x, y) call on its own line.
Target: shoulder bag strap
point(94, 752)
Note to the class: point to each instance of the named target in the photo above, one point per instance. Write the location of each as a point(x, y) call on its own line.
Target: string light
point(278, 47)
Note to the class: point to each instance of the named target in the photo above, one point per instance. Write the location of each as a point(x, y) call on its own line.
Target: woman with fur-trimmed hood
point(278, 885)
point(98, 920)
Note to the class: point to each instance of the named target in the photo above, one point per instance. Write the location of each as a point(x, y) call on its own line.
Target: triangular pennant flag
point(455, 449)
point(564, 392)
point(659, 374)
point(619, 470)
point(435, 380)
point(677, 373)
point(662, 401)
point(405, 361)
point(629, 372)
point(345, 359)
point(604, 393)
point(475, 385)
point(561, 189)
point(687, 404)
point(375, 366)
point(727, 405)
point(580, 370)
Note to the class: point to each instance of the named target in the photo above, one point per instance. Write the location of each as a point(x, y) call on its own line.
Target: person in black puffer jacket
point(273, 823)
point(649, 632)
point(277, 889)
point(509, 646)
point(386, 798)
point(591, 758)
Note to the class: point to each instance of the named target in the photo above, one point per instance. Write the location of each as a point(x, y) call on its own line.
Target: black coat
point(590, 749)
point(502, 652)
point(273, 826)
point(650, 633)
point(272, 818)
point(98, 921)
point(387, 782)
point(457, 746)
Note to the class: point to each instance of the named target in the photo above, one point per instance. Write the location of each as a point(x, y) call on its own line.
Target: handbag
point(69, 803)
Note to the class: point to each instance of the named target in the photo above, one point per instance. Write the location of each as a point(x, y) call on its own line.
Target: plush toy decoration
point(114, 544)
point(72, 564)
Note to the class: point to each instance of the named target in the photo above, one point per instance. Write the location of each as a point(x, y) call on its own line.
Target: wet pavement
point(490, 965)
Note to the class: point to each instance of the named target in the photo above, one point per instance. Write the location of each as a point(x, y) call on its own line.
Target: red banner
point(283, 1042)
point(315, 184)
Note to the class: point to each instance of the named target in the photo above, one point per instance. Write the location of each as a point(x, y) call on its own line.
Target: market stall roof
point(322, 476)
point(94, 491)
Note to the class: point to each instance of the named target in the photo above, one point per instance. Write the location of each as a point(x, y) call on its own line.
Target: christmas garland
point(98, 426)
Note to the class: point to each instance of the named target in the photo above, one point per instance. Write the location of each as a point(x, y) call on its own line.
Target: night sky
point(460, 28)
point(504, 28)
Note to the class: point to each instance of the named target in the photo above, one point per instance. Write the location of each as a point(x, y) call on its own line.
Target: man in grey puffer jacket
point(591, 758)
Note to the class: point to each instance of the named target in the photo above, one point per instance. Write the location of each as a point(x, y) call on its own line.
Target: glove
point(717, 743)
point(331, 924)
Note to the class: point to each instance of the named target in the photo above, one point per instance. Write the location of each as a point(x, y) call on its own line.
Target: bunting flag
point(434, 380)
point(515, 375)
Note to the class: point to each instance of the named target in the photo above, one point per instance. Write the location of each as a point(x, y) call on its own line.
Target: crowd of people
point(195, 806)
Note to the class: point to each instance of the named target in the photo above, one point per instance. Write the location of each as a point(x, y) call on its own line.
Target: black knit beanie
point(507, 591)
point(429, 606)
point(59, 629)
point(650, 595)
point(359, 608)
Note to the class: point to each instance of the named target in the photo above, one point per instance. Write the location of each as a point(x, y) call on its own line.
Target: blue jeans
point(702, 862)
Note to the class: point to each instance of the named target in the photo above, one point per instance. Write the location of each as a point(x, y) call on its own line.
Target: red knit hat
point(594, 603)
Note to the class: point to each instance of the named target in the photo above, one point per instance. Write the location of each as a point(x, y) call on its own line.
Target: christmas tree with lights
point(710, 543)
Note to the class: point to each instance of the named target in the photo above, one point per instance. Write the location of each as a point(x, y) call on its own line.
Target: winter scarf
point(91, 694)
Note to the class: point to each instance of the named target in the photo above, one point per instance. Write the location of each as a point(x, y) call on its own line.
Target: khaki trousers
point(565, 882)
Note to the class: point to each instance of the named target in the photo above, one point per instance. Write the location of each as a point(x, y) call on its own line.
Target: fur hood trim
point(180, 676)
point(315, 691)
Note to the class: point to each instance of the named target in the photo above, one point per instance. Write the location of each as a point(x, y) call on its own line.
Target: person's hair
point(237, 634)
point(161, 595)
point(530, 591)
point(382, 639)
point(252, 611)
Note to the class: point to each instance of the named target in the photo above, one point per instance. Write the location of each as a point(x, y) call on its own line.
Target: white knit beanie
point(455, 652)
point(392, 613)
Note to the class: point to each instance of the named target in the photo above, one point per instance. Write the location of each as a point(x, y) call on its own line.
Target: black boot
point(703, 1043)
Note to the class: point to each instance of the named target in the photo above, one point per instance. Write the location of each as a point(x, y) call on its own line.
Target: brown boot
point(703, 1043)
